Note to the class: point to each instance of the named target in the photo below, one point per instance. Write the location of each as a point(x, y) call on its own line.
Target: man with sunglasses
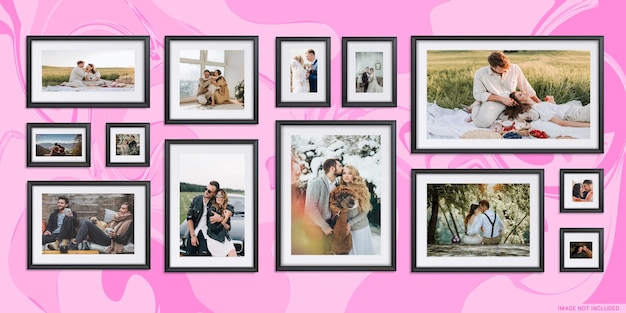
point(492, 86)
point(198, 221)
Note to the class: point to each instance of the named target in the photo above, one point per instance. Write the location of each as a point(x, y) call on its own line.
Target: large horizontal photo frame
point(303, 71)
point(88, 224)
point(58, 144)
point(582, 250)
point(487, 220)
point(87, 72)
point(582, 190)
point(335, 194)
point(128, 144)
point(211, 205)
point(211, 80)
point(488, 89)
point(369, 70)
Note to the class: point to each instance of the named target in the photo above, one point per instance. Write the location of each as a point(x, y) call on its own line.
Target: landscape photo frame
point(582, 249)
point(58, 144)
point(86, 200)
point(58, 77)
point(445, 107)
point(462, 242)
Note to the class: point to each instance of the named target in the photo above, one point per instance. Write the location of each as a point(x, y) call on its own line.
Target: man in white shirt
point(490, 223)
point(77, 75)
point(492, 86)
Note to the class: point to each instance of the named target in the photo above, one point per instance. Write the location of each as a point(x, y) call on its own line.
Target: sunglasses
point(210, 191)
point(219, 196)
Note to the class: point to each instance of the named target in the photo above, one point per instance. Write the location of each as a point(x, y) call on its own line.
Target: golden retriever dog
point(342, 198)
point(100, 224)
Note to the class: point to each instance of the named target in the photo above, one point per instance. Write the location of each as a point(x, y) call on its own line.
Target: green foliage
point(564, 74)
point(510, 201)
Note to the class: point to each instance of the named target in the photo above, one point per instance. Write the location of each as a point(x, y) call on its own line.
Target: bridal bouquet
point(239, 91)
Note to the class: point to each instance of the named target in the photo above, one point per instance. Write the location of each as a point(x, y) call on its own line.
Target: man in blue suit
point(312, 73)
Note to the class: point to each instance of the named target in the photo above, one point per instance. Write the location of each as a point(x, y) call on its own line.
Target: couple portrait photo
point(86, 70)
point(522, 89)
point(582, 190)
point(127, 144)
point(369, 77)
point(303, 71)
point(59, 144)
point(470, 220)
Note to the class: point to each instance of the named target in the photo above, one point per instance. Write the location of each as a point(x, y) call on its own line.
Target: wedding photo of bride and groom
point(303, 68)
point(369, 72)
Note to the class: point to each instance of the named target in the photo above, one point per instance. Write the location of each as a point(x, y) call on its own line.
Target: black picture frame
point(570, 238)
point(431, 55)
point(241, 73)
point(189, 162)
point(285, 49)
point(128, 156)
point(570, 203)
point(381, 52)
point(43, 138)
point(52, 54)
point(378, 138)
point(465, 186)
point(86, 199)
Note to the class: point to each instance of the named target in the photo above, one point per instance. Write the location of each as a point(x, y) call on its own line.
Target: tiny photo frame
point(211, 80)
point(103, 224)
point(331, 174)
point(490, 88)
point(58, 144)
point(211, 205)
point(128, 144)
point(582, 250)
point(369, 67)
point(303, 71)
point(582, 190)
point(87, 72)
point(488, 220)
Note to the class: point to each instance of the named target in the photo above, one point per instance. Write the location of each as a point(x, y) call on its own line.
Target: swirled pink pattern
point(270, 291)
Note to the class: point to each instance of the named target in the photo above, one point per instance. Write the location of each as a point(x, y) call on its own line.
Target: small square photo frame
point(87, 72)
point(303, 71)
point(582, 190)
point(368, 151)
point(192, 167)
point(84, 200)
point(211, 80)
point(128, 144)
point(582, 250)
point(442, 240)
point(369, 70)
point(58, 144)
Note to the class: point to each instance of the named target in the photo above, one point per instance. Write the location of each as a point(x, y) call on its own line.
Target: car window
point(237, 203)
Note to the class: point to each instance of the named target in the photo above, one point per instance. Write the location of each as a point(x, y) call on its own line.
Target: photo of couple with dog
point(336, 210)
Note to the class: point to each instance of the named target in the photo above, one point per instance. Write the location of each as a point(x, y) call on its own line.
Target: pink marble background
point(270, 291)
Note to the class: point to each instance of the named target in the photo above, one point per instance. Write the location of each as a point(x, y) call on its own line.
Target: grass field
point(563, 74)
point(53, 75)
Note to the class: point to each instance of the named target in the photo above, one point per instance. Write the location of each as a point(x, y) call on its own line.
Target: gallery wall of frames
point(335, 179)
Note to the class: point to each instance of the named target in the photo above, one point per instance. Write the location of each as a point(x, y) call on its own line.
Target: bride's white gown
point(472, 239)
point(298, 77)
point(373, 85)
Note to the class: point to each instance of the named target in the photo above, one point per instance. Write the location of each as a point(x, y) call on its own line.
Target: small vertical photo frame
point(302, 71)
point(128, 144)
point(582, 250)
point(582, 190)
point(58, 144)
point(369, 71)
point(211, 79)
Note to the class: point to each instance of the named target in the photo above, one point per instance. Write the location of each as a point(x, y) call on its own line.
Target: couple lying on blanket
point(572, 114)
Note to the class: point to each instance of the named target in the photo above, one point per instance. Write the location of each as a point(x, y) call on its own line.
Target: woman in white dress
point(373, 85)
point(572, 114)
point(470, 220)
point(358, 223)
point(219, 241)
point(298, 75)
